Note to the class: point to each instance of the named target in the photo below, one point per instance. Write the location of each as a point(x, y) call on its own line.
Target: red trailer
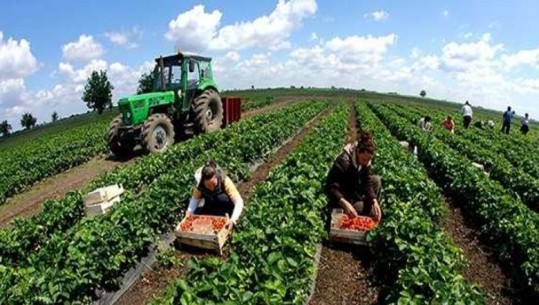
point(231, 109)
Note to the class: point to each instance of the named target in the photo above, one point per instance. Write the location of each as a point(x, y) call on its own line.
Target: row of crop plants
point(27, 235)
point(272, 260)
point(96, 252)
point(415, 257)
point(25, 164)
point(521, 151)
point(514, 178)
point(512, 229)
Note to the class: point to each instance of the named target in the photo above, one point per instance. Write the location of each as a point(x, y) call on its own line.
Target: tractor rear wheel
point(208, 111)
point(157, 133)
point(120, 148)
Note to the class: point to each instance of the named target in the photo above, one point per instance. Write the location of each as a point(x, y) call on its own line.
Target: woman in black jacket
point(350, 184)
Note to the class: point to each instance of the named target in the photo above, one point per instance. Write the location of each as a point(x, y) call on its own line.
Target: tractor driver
point(350, 184)
point(215, 194)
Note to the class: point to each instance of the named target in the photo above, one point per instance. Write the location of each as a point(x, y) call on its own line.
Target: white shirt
point(467, 110)
point(424, 125)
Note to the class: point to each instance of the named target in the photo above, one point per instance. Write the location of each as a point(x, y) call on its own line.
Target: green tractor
point(185, 101)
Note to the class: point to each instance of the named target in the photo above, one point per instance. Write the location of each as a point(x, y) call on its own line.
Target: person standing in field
point(525, 124)
point(467, 113)
point(507, 117)
point(449, 124)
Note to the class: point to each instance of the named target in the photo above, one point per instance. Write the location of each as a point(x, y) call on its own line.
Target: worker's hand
point(348, 208)
point(188, 214)
point(377, 211)
point(229, 225)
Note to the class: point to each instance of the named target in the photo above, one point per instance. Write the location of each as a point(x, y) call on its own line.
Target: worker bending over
point(350, 184)
point(216, 193)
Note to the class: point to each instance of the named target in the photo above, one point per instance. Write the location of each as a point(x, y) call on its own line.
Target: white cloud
point(126, 39)
point(82, 74)
point(314, 36)
point(16, 63)
point(379, 15)
point(266, 31)
point(233, 56)
point(195, 30)
point(468, 56)
point(16, 59)
point(467, 35)
point(84, 49)
point(361, 49)
point(445, 13)
point(523, 57)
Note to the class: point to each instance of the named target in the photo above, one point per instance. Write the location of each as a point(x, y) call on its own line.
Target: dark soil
point(484, 268)
point(279, 102)
point(345, 275)
point(155, 281)
point(28, 203)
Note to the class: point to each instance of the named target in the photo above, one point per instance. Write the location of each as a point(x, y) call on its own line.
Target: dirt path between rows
point(279, 102)
point(29, 203)
point(155, 281)
point(483, 266)
point(345, 275)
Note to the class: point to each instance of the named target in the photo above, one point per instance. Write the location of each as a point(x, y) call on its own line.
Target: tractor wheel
point(208, 111)
point(157, 133)
point(120, 148)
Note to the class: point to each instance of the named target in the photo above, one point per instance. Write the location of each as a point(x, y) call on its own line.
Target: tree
point(28, 120)
point(423, 93)
point(54, 116)
point(5, 128)
point(145, 83)
point(98, 91)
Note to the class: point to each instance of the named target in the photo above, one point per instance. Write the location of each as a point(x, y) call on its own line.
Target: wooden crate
point(345, 236)
point(202, 240)
point(100, 208)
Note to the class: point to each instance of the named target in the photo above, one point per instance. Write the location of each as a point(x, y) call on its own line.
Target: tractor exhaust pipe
point(162, 74)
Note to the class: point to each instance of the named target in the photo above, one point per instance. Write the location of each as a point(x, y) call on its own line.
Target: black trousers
point(216, 208)
point(506, 127)
point(467, 120)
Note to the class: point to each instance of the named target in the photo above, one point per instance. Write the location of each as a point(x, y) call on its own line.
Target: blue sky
point(482, 51)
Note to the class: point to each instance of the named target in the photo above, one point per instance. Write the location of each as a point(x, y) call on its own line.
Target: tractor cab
point(185, 100)
point(184, 75)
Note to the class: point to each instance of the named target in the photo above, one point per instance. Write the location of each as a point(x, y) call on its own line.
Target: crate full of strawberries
point(348, 229)
point(203, 231)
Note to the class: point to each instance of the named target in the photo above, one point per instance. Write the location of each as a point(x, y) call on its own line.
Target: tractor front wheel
point(157, 133)
point(208, 111)
point(120, 148)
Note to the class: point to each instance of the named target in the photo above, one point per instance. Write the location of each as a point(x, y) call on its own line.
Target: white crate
point(480, 166)
point(103, 194)
point(100, 208)
point(405, 144)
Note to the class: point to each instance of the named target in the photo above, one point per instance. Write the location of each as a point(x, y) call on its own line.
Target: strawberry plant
point(510, 226)
point(57, 216)
point(96, 252)
point(274, 246)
